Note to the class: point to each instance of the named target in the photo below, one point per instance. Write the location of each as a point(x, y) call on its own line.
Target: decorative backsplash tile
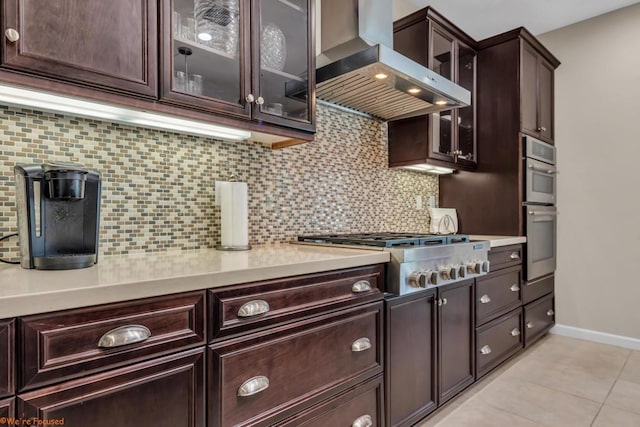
point(158, 186)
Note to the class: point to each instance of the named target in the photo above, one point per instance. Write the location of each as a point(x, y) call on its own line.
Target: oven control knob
point(433, 278)
point(486, 266)
point(474, 267)
point(453, 272)
point(445, 273)
point(462, 271)
point(418, 279)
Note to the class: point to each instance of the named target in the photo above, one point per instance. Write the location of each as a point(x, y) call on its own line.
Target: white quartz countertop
point(121, 278)
point(497, 241)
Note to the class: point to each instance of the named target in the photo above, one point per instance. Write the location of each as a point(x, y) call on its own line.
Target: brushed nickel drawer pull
point(124, 335)
point(485, 349)
point(515, 288)
point(363, 421)
point(529, 325)
point(361, 344)
point(254, 308)
point(361, 286)
point(514, 255)
point(253, 386)
point(515, 332)
point(485, 299)
point(550, 312)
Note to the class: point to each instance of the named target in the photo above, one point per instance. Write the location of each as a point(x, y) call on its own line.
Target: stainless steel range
point(418, 261)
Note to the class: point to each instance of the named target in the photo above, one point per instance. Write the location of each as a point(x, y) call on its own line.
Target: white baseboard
point(601, 337)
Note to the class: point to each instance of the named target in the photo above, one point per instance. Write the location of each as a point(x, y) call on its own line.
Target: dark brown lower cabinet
point(268, 376)
point(7, 408)
point(410, 366)
point(539, 317)
point(361, 406)
point(164, 392)
point(7, 362)
point(455, 338)
point(497, 341)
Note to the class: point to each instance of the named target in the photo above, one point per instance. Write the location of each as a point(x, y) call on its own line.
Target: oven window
point(542, 183)
point(542, 242)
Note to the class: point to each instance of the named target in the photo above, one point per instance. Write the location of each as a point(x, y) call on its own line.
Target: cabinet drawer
point(289, 299)
point(7, 408)
point(66, 344)
point(497, 341)
point(539, 317)
point(531, 291)
point(363, 404)
point(505, 256)
point(163, 392)
point(292, 367)
point(7, 367)
point(498, 293)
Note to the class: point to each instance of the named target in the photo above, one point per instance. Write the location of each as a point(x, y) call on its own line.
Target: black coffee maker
point(58, 215)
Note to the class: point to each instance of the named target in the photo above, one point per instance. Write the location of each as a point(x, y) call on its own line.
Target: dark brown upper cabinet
point(447, 138)
point(106, 44)
point(246, 58)
point(537, 94)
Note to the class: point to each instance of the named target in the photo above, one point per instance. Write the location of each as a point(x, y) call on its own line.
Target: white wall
point(598, 138)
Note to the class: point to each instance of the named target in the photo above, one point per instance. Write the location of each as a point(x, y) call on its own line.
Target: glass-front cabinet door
point(284, 73)
point(466, 70)
point(206, 57)
point(441, 124)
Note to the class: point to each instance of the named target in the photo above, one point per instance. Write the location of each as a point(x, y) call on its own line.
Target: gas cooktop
point(386, 240)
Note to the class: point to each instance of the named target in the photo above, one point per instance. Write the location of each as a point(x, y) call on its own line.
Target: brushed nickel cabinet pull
point(253, 308)
point(529, 325)
point(363, 421)
point(124, 335)
point(515, 288)
point(514, 255)
point(361, 286)
point(485, 349)
point(484, 299)
point(253, 386)
point(12, 35)
point(515, 332)
point(550, 312)
point(361, 344)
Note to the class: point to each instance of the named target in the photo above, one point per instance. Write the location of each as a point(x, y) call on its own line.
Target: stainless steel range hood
point(359, 69)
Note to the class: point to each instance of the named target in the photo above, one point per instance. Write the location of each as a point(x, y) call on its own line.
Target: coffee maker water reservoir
point(58, 215)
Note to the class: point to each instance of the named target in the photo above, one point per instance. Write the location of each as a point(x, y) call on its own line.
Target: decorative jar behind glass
point(218, 24)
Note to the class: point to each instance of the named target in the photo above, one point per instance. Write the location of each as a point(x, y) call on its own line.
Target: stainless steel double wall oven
point(539, 207)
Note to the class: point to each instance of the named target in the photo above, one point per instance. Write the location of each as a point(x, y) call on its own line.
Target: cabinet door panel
point(466, 117)
point(411, 375)
point(284, 61)
point(498, 340)
point(7, 367)
point(539, 317)
point(529, 89)
point(456, 339)
point(498, 293)
point(111, 44)
point(164, 392)
point(545, 87)
point(206, 58)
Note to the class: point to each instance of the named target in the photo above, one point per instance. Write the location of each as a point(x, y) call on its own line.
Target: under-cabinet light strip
point(46, 101)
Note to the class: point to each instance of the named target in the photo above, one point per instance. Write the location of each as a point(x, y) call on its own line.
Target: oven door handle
point(542, 170)
point(544, 213)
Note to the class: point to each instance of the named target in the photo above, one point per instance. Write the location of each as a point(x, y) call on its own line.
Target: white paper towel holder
point(231, 178)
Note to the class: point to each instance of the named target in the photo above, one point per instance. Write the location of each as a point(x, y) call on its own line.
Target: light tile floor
point(559, 382)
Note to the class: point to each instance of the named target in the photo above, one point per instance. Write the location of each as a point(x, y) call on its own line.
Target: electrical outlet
point(419, 206)
point(432, 201)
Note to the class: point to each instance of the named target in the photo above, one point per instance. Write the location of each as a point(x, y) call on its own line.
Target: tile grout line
point(612, 387)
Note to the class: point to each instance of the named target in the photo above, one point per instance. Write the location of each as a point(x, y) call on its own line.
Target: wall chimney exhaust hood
point(359, 69)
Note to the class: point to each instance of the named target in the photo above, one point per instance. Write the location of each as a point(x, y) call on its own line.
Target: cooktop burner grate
point(386, 240)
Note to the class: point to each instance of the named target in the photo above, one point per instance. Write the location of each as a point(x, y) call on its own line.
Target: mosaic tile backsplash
point(158, 186)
